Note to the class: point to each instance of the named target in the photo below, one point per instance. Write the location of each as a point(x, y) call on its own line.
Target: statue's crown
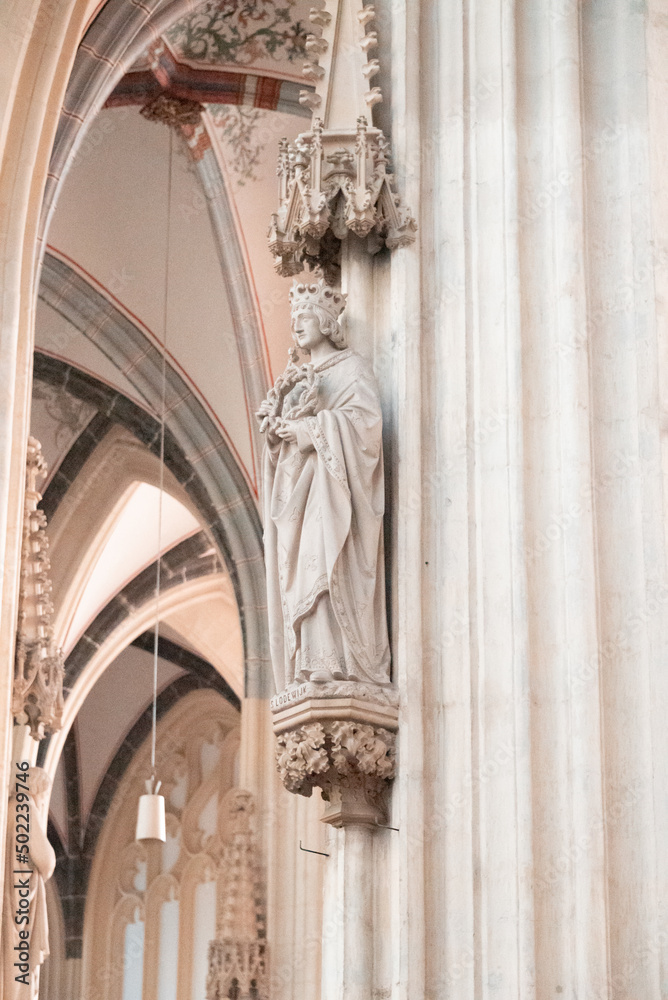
point(317, 293)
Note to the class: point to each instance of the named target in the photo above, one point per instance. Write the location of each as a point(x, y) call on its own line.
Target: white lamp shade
point(151, 818)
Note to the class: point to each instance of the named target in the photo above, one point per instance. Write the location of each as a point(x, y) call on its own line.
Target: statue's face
point(307, 331)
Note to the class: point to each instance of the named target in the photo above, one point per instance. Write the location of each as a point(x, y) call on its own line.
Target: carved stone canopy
point(334, 179)
point(332, 184)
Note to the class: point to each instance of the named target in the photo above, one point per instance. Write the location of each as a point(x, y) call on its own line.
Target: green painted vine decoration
point(239, 127)
point(223, 31)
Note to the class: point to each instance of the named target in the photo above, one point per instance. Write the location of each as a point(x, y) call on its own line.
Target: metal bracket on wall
point(307, 851)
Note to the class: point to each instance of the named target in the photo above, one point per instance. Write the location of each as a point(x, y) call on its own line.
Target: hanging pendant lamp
point(151, 813)
point(151, 825)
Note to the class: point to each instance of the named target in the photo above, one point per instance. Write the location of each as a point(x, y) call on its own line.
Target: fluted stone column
point(476, 789)
point(560, 556)
point(348, 945)
point(71, 977)
point(630, 509)
point(531, 745)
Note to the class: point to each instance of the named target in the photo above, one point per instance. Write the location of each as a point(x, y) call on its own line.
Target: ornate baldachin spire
point(333, 180)
point(237, 957)
point(39, 670)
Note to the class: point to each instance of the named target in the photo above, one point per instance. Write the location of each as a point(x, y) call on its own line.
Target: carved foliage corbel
point(351, 762)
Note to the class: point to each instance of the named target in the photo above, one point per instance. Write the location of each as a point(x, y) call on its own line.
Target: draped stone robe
point(323, 524)
point(37, 870)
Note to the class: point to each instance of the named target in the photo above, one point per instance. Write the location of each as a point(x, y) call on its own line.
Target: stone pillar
point(348, 942)
point(566, 788)
point(345, 747)
point(630, 506)
point(537, 474)
point(468, 781)
point(520, 370)
point(71, 978)
point(358, 905)
point(402, 346)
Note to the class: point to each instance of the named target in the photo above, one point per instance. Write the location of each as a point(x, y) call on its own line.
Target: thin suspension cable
point(154, 720)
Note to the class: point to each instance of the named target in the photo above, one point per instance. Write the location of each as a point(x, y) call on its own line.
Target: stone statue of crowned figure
point(323, 495)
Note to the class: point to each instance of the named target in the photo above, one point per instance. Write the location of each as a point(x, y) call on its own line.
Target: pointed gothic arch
point(207, 467)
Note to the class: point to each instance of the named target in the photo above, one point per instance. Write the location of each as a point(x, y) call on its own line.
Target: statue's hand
point(267, 416)
point(295, 432)
point(286, 430)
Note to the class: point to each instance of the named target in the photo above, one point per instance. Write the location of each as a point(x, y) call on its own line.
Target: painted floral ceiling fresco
point(244, 138)
point(264, 33)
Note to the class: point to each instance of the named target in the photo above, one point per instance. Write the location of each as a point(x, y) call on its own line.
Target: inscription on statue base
point(288, 697)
